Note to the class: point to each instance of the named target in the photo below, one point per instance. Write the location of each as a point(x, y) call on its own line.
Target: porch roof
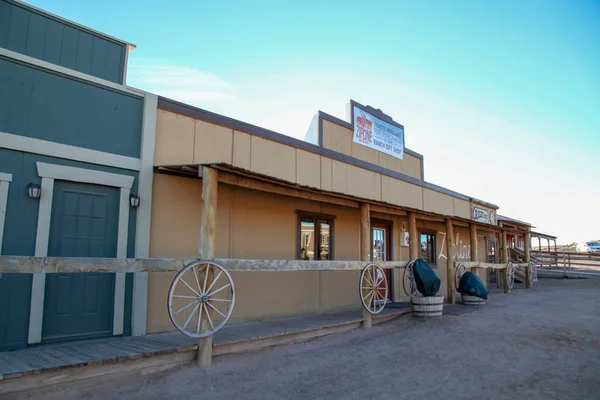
point(237, 176)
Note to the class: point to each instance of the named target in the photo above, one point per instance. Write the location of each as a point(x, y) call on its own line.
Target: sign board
point(483, 215)
point(379, 135)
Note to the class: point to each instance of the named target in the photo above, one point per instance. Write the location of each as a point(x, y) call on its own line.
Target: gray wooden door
point(78, 306)
point(84, 221)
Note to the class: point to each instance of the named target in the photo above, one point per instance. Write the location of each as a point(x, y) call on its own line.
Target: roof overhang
point(233, 175)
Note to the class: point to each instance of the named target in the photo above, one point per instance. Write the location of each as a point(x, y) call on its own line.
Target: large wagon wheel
point(510, 275)
point(458, 273)
point(373, 288)
point(201, 299)
point(408, 280)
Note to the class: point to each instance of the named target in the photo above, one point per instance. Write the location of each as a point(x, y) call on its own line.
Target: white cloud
point(189, 85)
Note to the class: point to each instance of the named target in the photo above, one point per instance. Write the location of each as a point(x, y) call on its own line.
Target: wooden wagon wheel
point(458, 273)
point(201, 299)
point(408, 280)
point(530, 272)
point(373, 288)
point(510, 275)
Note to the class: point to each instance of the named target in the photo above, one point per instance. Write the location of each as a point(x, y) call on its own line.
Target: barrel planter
point(431, 306)
point(472, 300)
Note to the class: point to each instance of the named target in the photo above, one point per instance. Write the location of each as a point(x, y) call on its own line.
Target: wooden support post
point(413, 237)
point(450, 262)
point(505, 261)
point(208, 232)
point(365, 249)
point(473, 232)
point(527, 251)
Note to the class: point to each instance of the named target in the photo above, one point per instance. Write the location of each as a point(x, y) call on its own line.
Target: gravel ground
point(542, 343)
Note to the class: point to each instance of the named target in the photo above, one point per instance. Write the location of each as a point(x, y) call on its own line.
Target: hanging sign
point(379, 135)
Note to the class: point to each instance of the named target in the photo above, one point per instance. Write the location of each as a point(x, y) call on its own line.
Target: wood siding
point(27, 31)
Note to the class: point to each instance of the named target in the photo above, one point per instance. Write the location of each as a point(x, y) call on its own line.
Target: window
point(316, 237)
point(428, 247)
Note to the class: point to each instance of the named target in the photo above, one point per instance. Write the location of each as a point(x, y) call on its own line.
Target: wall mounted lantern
point(134, 200)
point(34, 190)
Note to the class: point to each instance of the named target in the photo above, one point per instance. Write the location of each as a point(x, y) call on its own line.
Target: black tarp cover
point(472, 285)
point(427, 281)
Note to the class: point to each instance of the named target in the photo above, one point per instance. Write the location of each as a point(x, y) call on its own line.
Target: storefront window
point(315, 238)
point(428, 247)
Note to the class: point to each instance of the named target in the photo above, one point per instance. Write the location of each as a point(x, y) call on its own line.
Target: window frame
point(301, 215)
point(434, 249)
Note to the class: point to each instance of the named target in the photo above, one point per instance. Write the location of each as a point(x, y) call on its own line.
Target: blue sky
point(501, 97)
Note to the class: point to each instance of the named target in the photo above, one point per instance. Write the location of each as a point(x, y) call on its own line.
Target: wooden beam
point(283, 190)
point(387, 210)
point(450, 262)
point(208, 233)
point(475, 264)
point(33, 265)
point(460, 223)
point(365, 249)
point(433, 218)
point(413, 237)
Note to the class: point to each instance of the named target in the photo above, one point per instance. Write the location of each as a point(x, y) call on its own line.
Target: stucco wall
point(182, 140)
point(261, 295)
point(250, 224)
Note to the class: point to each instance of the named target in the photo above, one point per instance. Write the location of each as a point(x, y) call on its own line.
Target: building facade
point(93, 172)
point(72, 138)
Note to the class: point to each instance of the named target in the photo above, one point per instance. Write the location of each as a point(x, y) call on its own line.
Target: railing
point(546, 258)
point(570, 260)
point(518, 255)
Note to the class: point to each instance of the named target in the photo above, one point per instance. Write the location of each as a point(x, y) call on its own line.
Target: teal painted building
point(76, 155)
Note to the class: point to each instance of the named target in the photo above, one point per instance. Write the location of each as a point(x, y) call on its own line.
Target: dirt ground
point(542, 343)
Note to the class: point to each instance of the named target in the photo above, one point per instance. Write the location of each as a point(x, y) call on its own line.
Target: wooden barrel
point(472, 300)
point(427, 306)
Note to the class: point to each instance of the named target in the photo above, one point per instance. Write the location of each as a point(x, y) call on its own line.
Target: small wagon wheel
point(408, 280)
point(458, 273)
point(373, 288)
point(510, 275)
point(201, 299)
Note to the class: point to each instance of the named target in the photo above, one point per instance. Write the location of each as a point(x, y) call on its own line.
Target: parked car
point(588, 247)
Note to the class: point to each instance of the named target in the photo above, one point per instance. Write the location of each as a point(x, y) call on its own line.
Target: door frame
point(50, 172)
point(388, 225)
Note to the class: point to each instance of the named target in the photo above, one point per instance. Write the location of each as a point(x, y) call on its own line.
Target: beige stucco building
point(274, 191)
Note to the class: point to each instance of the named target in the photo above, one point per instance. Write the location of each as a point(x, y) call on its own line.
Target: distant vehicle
point(588, 246)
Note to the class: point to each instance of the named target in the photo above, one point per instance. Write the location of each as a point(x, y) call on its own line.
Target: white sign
point(483, 215)
point(377, 134)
